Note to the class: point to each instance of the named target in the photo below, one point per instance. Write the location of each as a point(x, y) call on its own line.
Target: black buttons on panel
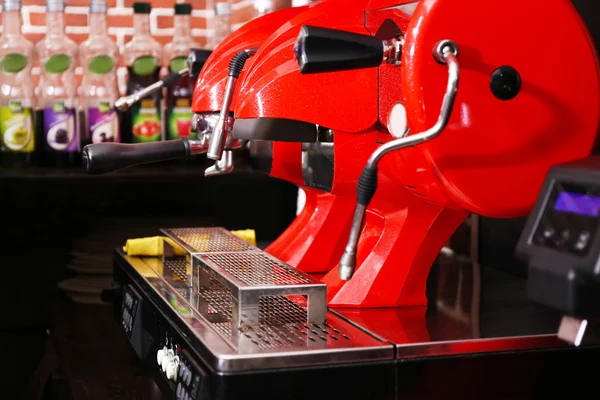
point(573, 240)
point(129, 309)
point(188, 380)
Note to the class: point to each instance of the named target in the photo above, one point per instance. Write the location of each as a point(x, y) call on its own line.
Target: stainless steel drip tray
point(281, 338)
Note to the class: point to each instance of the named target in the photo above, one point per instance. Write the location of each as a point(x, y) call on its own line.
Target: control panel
point(189, 382)
point(561, 242)
point(570, 218)
point(168, 357)
point(129, 309)
point(137, 326)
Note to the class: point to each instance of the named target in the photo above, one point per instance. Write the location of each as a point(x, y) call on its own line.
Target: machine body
point(314, 240)
point(443, 111)
point(468, 167)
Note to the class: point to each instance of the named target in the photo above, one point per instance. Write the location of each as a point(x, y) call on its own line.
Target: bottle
point(99, 57)
point(178, 110)
point(262, 7)
point(57, 92)
point(143, 57)
point(17, 138)
point(221, 23)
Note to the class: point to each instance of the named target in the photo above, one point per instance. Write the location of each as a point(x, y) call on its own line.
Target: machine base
point(478, 338)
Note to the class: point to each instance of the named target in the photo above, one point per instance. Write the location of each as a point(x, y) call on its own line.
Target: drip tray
point(250, 311)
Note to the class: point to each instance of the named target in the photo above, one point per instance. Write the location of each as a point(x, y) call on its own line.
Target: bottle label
point(146, 121)
point(103, 123)
point(16, 127)
point(180, 119)
point(59, 128)
point(13, 63)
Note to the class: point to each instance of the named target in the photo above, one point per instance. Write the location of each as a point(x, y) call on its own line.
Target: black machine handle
point(329, 50)
point(101, 158)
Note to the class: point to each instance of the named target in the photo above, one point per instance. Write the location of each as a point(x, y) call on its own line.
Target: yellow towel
point(153, 246)
point(248, 235)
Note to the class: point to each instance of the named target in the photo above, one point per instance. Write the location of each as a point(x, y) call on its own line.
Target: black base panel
point(548, 374)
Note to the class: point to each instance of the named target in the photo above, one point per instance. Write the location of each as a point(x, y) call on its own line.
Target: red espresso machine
point(315, 239)
point(447, 110)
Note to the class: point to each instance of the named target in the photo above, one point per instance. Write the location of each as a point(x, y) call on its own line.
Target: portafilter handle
point(101, 158)
point(319, 50)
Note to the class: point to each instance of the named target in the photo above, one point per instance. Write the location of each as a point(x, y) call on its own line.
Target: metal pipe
point(124, 103)
point(445, 52)
point(219, 136)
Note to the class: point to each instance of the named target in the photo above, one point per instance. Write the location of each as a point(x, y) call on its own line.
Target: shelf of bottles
point(45, 127)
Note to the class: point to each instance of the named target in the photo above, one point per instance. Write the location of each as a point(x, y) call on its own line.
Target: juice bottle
point(99, 57)
point(178, 113)
point(57, 126)
point(143, 56)
point(221, 24)
point(17, 139)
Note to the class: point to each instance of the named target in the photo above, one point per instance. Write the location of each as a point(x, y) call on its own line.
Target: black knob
point(101, 158)
point(196, 61)
point(329, 50)
point(505, 83)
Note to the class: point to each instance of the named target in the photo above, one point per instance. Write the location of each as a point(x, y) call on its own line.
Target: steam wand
point(220, 141)
point(445, 52)
point(124, 103)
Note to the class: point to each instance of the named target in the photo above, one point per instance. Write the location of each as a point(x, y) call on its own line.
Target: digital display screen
point(578, 203)
point(570, 220)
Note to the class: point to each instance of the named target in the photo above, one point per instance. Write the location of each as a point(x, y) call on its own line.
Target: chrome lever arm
point(445, 52)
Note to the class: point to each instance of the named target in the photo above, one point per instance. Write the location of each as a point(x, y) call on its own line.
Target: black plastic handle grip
point(101, 158)
point(329, 50)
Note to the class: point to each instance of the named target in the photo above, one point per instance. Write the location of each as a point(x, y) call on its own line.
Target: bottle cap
point(12, 5)
point(55, 5)
point(264, 6)
point(98, 7)
point(183, 9)
point(222, 8)
point(141, 8)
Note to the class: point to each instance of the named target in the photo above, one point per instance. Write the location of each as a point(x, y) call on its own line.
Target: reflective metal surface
point(318, 161)
point(250, 278)
point(471, 310)
point(279, 340)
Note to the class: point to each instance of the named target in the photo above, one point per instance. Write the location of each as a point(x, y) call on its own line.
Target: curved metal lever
point(445, 52)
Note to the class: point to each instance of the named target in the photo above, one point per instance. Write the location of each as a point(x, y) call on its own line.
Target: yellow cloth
point(153, 246)
point(248, 235)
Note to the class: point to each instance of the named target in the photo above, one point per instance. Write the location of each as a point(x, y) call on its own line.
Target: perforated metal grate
point(281, 319)
point(258, 269)
point(178, 267)
point(203, 240)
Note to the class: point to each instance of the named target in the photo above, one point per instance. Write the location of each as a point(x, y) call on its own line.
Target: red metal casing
point(319, 220)
point(398, 230)
point(492, 157)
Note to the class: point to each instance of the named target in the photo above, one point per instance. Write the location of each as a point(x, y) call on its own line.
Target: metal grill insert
point(204, 240)
point(177, 266)
point(252, 276)
point(258, 269)
point(281, 321)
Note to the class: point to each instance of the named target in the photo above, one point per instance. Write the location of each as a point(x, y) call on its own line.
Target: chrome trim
point(445, 51)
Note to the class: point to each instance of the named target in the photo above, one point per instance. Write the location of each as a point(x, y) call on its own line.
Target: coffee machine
point(447, 110)
point(313, 241)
